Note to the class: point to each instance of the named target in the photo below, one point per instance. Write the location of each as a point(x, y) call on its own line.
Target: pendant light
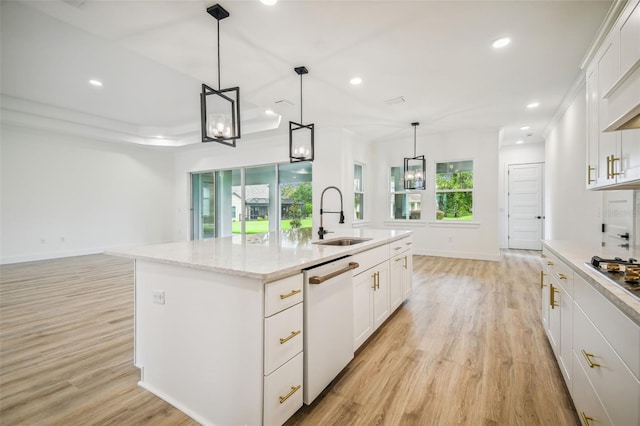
point(414, 167)
point(220, 109)
point(300, 135)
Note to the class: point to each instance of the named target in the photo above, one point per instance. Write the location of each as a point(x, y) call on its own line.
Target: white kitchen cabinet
point(400, 272)
point(613, 89)
point(585, 399)
point(370, 301)
point(557, 291)
point(614, 384)
point(380, 286)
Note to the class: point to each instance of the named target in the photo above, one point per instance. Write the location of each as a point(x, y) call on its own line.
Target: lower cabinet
point(595, 344)
point(400, 278)
point(370, 301)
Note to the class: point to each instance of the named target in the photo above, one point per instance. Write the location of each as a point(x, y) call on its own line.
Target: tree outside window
point(358, 192)
point(454, 191)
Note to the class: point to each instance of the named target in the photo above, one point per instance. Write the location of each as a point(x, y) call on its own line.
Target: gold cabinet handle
point(293, 293)
point(405, 262)
point(608, 167)
point(289, 337)
point(562, 276)
point(549, 263)
point(542, 284)
point(589, 169)
point(375, 281)
point(397, 248)
point(552, 296)
point(588, 356)
point(409, 243)
point(586, 419)
point(398, 259)
point(613, 167)
point(320, 280)
point(293, 390)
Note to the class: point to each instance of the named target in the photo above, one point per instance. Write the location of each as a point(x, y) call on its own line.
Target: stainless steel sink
point(347, 241)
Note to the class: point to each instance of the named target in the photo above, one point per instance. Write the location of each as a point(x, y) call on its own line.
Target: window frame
point(472, 190)
point(361, 192)
point(406, 192)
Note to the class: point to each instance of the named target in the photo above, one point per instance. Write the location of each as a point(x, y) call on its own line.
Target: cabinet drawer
point(559, 273)
point(615, 385)
point(399, 246)
point(282, 337)
point(282, 294)
point(283, 392)
point(370, 258)
point(585, 399)
point(621, 333)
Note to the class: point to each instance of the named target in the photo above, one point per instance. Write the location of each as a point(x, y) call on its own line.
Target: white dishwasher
point(328, 323)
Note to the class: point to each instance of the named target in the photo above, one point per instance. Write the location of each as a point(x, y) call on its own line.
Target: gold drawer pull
point(586, 419)
point(293, 390)
point(289, 337)
point(398, 259)
point(409, 243)
point(397, 248)
point(552, 296)
point(293, 293)
point(588, 356)
point(405, 262)
point(542, 284)
point(562, 276)
point(549, 263)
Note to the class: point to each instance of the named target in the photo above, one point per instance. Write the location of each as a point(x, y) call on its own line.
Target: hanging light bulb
point(414, 167)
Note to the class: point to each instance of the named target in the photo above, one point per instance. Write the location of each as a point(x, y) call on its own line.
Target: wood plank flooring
point(466, 348)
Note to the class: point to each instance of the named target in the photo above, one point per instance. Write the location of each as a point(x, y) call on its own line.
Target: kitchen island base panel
point(201, 350)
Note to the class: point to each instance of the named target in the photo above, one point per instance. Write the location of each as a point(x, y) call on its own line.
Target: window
point(454, 191)
point(252, 200)
point(404, 204)
point(358, 192)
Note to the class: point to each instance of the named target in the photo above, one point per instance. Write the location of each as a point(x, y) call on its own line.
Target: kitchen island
point(206, 313)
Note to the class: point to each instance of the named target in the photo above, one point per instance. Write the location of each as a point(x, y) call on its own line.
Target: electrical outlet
point(158, 296)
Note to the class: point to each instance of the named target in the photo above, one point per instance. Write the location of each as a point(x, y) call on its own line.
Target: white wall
point(335, 152)
point(572, 212)
point(478, 240)
point(509, 155)
point(65, 195)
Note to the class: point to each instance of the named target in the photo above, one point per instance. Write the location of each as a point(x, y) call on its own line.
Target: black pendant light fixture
point(300, 135)
point(220, 109)
point(414, 167)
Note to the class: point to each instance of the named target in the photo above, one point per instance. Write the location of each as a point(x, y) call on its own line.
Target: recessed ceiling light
point(95, 82)
point(525, 127)
point(519, 142)
point(533, 105)
point(501, 42)
point(269, 2)
point(355, 81)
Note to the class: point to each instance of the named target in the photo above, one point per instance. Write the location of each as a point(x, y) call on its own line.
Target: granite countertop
point(267, 257)
point(576, 254)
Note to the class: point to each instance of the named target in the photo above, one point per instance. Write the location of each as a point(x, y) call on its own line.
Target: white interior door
point(526, 220)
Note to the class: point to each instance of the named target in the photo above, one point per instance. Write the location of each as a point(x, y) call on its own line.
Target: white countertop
point(264, 256)
point(576, 253)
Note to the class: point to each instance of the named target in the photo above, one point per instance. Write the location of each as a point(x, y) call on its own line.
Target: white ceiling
point(153, 55)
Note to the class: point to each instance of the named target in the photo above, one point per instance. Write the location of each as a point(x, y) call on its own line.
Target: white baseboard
point(459, 254)
point(6, 260)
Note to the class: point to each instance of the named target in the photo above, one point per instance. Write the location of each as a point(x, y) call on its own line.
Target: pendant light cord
point(301, 99)
point(414, 141)
point(218, 54)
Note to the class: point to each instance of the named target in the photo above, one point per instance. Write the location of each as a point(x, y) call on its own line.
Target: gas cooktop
point(623, 273)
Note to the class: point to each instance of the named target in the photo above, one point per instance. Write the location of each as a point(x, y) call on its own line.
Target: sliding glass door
point(251, 200)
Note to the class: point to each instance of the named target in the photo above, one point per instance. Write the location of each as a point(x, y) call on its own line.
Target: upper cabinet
point(613, 89)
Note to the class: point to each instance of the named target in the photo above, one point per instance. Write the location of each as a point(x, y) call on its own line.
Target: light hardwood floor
point(466, 348)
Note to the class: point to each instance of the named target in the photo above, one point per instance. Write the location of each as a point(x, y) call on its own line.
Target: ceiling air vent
point(395, 101)
point(75, 3)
